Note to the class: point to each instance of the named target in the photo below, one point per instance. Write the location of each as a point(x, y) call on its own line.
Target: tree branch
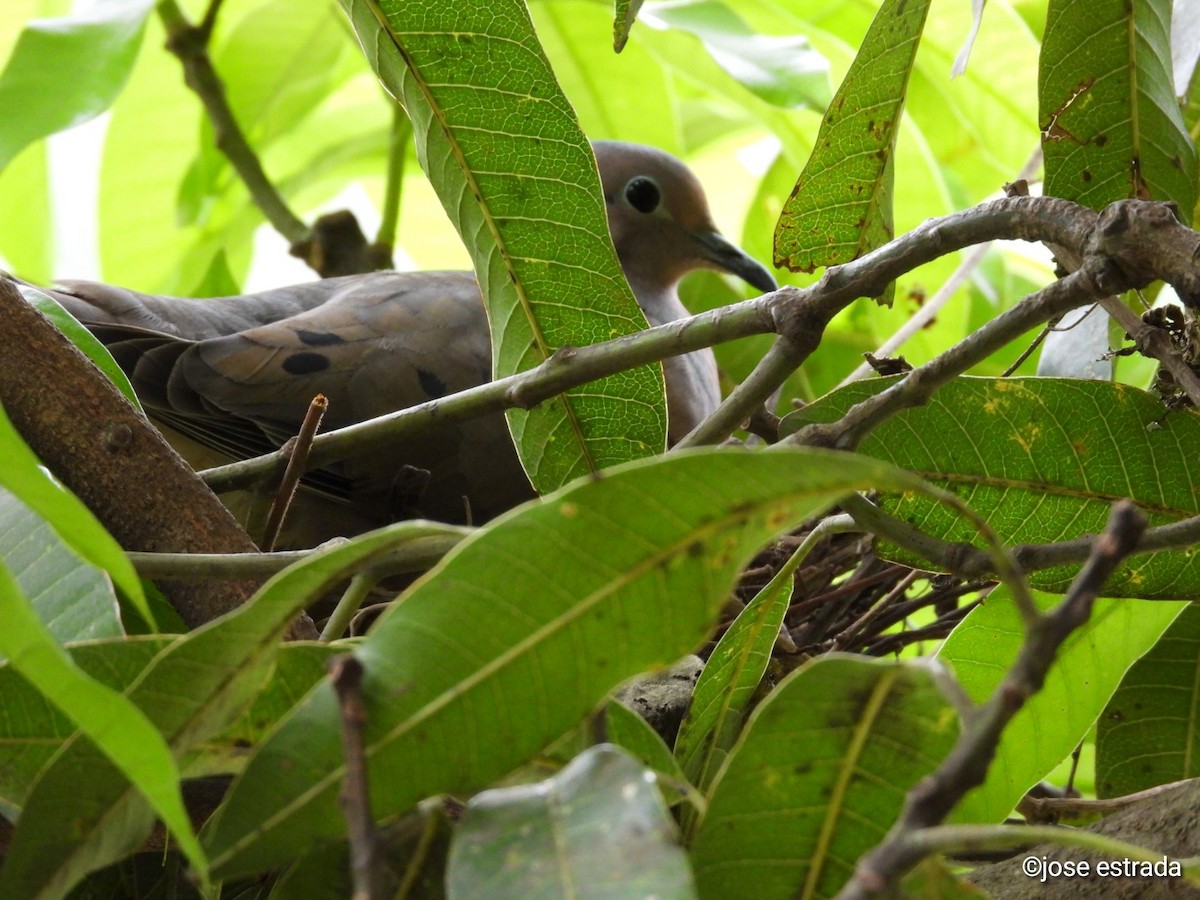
point(189, 43)
point(104, 450)
point(967, 764)
point(346, 673)
point(335, 245)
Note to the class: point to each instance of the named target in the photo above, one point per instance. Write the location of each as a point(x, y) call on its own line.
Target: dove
point(232, 377)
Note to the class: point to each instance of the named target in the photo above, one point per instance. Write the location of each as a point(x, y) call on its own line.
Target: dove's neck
point(693, 388)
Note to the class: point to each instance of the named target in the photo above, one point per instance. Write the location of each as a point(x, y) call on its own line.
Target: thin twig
point(346, 672)
point(1004, 564)
point(1028, 351)
point(1044, 809)
point(922, 382)
point(886, 644)
point(189, 43)
point(209, 22)
point(964, 839)
point(417, 555)
point(931, 307)
point(297, 457)
point(972, 562)
point(851, 631)
point(966, 766)
point(771, 372)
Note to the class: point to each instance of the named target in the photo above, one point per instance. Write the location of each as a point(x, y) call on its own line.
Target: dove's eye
point(643, 194)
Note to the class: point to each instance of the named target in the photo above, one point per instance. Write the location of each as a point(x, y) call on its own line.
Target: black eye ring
point(643, 194)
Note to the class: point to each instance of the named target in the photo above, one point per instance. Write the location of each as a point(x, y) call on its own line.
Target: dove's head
point(660, 223)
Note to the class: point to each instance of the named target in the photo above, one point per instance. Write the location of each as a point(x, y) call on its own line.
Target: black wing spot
point(319, 338)
point(306, 363)
point(433, 386)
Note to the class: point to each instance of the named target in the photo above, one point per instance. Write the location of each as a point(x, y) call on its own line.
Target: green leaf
point(1042, 459)
point(33, 728)
point(22, 474)
point(82, 813)
point(518, 632)
point(65, 71)
point(126, 741)
point(784, 71)
point(597, 828)
point(841, 206)
point(75, 601)
point(1086, 672)
point(626, 15)
point(1111, 124)
point(526, 198)
point(732, 674)
point(819, 775)
point(298, 667)
point(1149, 734)
point(219, 280)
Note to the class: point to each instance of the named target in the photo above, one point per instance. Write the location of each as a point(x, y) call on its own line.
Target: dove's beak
point(728, 257)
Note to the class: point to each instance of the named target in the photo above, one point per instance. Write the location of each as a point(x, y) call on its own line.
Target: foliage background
point(732, 88)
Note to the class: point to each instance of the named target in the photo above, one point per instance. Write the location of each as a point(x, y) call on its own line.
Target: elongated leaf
point(626, 15)
point(1086, 672)
point(75, 601)
point(1111, 125)
point(730, 677)
point(66, 71)
point(517, 633)
point(1042, 459)
point(22, 474)
point(125, 742)
point(1149, 733)
point(841, 206)
point(818, 777)
point(82, 814)
point(526, 199)
point(33, 729)
point(598, 828)
point(980, 128)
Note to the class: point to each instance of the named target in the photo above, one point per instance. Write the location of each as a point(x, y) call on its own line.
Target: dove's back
point(235, 376)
